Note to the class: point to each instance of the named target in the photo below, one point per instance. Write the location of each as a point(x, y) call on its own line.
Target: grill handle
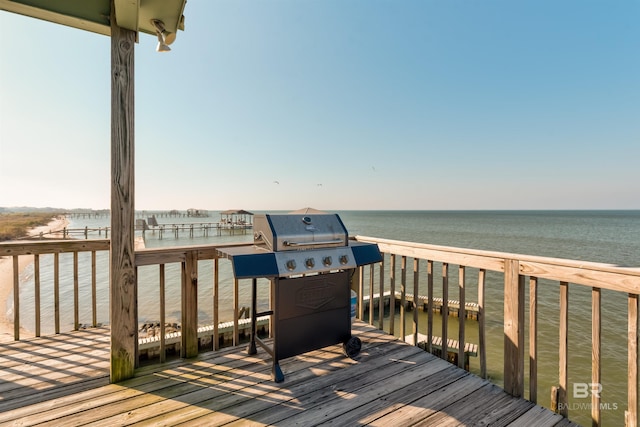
point(326, 242)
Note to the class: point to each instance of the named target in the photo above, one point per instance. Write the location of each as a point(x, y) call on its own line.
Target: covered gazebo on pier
point(236, 217)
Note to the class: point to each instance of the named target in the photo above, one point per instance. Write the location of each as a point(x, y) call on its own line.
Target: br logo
point(583, 390)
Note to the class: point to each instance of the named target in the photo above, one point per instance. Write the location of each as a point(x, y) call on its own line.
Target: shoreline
point(6, 278)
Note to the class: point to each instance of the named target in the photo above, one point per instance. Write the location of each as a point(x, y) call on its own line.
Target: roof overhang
point(93, 15)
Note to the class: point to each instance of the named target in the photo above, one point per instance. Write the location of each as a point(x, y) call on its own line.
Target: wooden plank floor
point(63, 380)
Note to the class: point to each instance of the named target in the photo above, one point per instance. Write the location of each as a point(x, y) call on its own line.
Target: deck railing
point(188, 258)
point(54, 249)
point(515, 270)
point(403, 259)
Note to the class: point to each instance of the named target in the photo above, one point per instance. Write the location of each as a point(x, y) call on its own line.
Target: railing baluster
point(596, 325)
point(632, 361)
point(216, 303)
point(482, 332)
point(462, 311)
point(56, 291)
point(392, 294)
point(76, 293)
point(429, 305)
point(533, 339)
point(416, 278)
point(36, 279)
point(563, 407)
point(272, 298)
point(94, 283)
point(403, 296)
point(381, 299)
point(136, 344)
point(163, 332)
point(236, 298)
point(361, 293)
point(16, 298)
point(445, 310)
point(371, 308)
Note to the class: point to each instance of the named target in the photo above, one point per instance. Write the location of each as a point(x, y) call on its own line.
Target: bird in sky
point(276, 182)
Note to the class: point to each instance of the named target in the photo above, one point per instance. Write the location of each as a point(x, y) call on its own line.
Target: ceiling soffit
point(93, 15)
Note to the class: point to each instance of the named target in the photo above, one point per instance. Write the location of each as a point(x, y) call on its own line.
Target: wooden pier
point(64, 379)
point(471, 308)
point(177, 230)
point(197, 229)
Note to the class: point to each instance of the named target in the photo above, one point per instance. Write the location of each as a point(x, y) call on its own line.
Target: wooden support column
point(123, 292)
point(513, 329)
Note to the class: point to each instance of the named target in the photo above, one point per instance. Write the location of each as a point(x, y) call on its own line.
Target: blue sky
point(347, 104)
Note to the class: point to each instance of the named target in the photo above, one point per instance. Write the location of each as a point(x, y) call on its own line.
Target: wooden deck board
point(537, 416)
point(64, 380)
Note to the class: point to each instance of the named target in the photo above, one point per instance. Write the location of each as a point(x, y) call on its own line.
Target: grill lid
point(293, 232)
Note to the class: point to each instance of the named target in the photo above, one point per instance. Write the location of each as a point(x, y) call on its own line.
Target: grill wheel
point(352, 347)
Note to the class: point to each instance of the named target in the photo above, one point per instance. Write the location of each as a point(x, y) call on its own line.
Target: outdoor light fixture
point(165, 38)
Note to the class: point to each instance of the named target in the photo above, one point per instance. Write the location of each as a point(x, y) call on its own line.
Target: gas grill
point(309, 260)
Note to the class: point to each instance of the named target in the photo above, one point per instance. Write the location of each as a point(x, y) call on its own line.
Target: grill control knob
point(291, 265)
point(327, 261)
point(344, 259)
point(309, 262)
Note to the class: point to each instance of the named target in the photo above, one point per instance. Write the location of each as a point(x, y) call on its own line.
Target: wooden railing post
point(189, 336)
point(513, 328)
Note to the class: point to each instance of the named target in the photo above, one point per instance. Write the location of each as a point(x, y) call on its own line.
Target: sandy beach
point(6, 278)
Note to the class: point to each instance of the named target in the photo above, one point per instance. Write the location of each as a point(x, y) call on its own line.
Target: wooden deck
point(63, 380)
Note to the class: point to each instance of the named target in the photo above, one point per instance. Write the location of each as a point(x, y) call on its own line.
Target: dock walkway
point(471, 308)
point(64, 379)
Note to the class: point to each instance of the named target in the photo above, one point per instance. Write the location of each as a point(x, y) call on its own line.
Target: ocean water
point(611, 237)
